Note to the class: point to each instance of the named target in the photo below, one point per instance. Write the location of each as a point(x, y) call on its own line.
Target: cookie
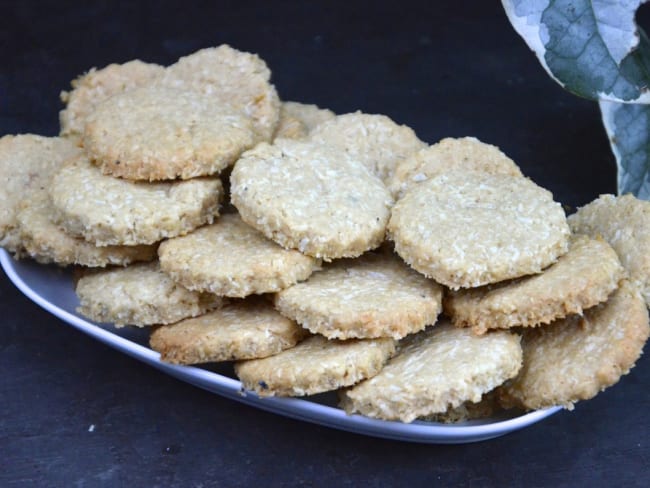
point(585, 276)
point(27, 163)
point(230, 258)
point(229, 76)
point(139, 295)
point(624, 222)
point(434, 370)
point(465, 153)
point(47, 243)
point(314, 366)
point(467, 229)
point(575, 358)
point(95, 86)
point(155, 133)
point(308, 114)
point(112, 211)
point(375, 140)
point(376, 295)
point(312, 198)
point(242, 330)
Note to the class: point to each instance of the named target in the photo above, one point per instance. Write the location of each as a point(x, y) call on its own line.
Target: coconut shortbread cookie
point(466, 229)
point(465, 153)
point(27, 163)
point(229, 76)
point(375, 140)
point(308, 114)
point(47, 243)
point(376, 295)
point(95, 86)
point(155, 133)
point(577, 357)
point(314, 366)
point(434, 370)
point(242, 330)
point(624, 222)
point(312, 198)
point(139, 295)
point(230, 258)
point(583, 277)
point(112, 211)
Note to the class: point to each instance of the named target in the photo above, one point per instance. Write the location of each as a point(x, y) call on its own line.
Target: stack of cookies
point(324, 252)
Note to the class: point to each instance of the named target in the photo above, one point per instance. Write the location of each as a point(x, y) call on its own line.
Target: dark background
point(445, 69)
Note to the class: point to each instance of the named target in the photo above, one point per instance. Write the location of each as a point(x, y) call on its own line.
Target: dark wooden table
point(77, 413)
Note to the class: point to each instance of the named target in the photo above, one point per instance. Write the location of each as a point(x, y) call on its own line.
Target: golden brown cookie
point(575, 358)
point(139, 295)
point(246, 329)
point(95, 86)
point(230, 258)
point(583, 277)
point(27, 163)
point(314, 366)
point(467, 229)
point(311, 197)
point(376, 295)
point(465, 153)
point(155, 133)
point(624, 222)
point(434, 370)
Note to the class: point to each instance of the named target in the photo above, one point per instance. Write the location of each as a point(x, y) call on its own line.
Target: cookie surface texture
point(246, 329)
point(312, 198)
point(155, 133)
point(434, 370)
point(95, 86)
point(230, 76)
point(47, 243)
point(309, 115)
point(624, 222)
point(577, 357)
point(376, 295)
point(27, 163)
point(467, 229)
point(230, 258)
point(315, 365)
point(583, 277)
point(465, 153)
point(112, 211)
point(139, 295)
point(375, 140)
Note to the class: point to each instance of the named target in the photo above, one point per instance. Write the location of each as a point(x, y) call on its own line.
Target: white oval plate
point(52, 288)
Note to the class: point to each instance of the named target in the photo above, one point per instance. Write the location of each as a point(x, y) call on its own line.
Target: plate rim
point(297, 408)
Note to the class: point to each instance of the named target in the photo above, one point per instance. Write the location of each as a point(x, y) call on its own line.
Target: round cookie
point(465, 153)
point(242, 330)
point(311, 197)
point(139, 295)
point(375, 140)
point(624, 222)
point(466, 229)
point(314, 366)
point(233, 77)
point(583, 277)
point(434, 370)
point(575, 358)
point(376, 295)
point(47, 243)
point(27, 163)
point(155, 133)
point(95, 86)
point(308, 114)
point(230, 258)
point(111, 211)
